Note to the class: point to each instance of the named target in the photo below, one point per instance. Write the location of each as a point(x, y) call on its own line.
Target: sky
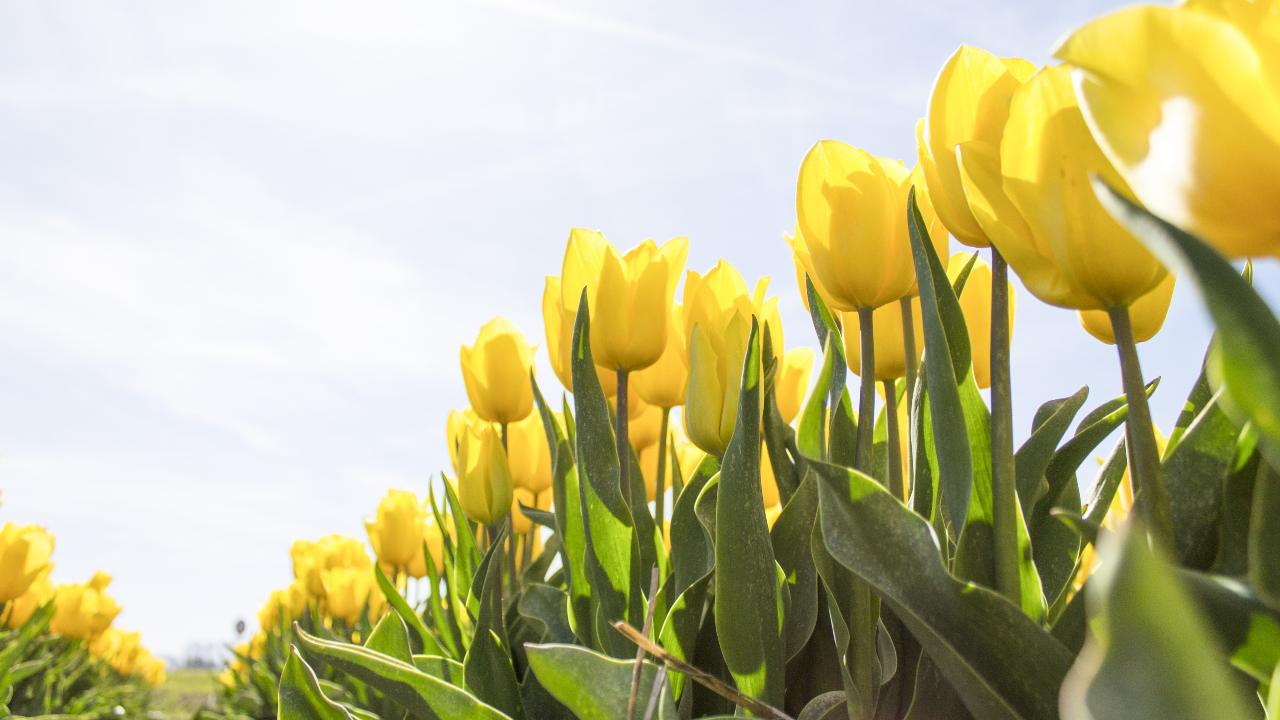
point(242, 242)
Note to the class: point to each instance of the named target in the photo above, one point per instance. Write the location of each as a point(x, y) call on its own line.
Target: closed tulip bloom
point(496, 371)
point(662, 384)
point(711, 299)
point(852, 216)
point(84, 611)
point(804, 268)
point(311, 558)
point(558, 321)
point(645, 423)
point(1184, 101)
point(629, 295)
point(520, 523)
point(396, 531)
point(346, 592)
point(1034, 198)
point(886, 327)
point(791, 384)
point(528, 455)
point(715, 378)
point(975, 303)
point(433, 539)
point(24, 556)
point(970, 101)
point(768, 481)
point(283, 605)
point(1147, 314)
point(25, 605)
point(484, 477)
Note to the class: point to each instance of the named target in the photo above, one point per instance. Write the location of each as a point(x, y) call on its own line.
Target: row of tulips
point(60, 651)
point(788, 546)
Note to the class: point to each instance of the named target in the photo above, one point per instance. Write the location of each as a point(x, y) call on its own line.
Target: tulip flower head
point(520, 523)
point(433, 538)
point(1033, 196)
point(791, 384)
point(528, 455)
point(497, 371)
point(1183, 100)
point(663, 383)
point(395, 532)
point(558, 319)
point(311, 559)
point(969, 102)
point(25, 605)
point(84, 611)
point(347, 590)
point(25, 552)
point(1147, 315)
point(890, 347)
point(629, 296)
point(484, 477)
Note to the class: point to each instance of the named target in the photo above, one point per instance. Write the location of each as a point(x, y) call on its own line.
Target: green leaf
point(391, 638)
point(778, 435)
point(1053, 419)
point(1244, 359)
point(1194, 474)
point(612, 556)
point(417, 692)
point(300, 697)
point(981, 642)
point(747, 603)
point(547, 607)
point(1246, 628)
point(16, 645)
point(401, 607)
point(1264, 537)
point(447, 669)
point(489, 672)
point(948, 363)
point(1152, 655)
point(790, 538)
point(692, 561)
point(593, 686)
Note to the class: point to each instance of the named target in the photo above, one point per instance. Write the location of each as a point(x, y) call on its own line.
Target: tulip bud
point(662, 384)
point(396, 531)
point(347, 590)
point(83, 611)
point(484, 477)
point(528, 455)
point(715, 376)
point(25, 605)
point(433, 539)
point(890, 347)
point(1034, 198)
point(970, 101)
point(975, 303)
point(629, 296)
point(852, 214)
point(1183, 101)
point(497, 370)
point(804, 269)
point(24, 556)
point(791, 384)
point(558, 320)
point(1147, 315)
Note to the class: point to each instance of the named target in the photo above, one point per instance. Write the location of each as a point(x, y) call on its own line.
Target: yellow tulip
point(312, 558)
point(484, 477)
point(851, 207)
point(528, 455)
point(150, 669)
point(688, 455)
point(434, 541)
point(395, 533)
point(644, 423)
point(84, 611)
point(804, 268)
point(520, 523)
point(629, 296)
point(970, 101)
point(715, 376)
point(791, 384)
point(1034, 199)
point(497, 371)
point(768, 480)
point(283, 605)
point(886, 328)
point(712, 299)
point(975, 303)
point(663, 383)
point(24, 556)
point(771, 514)
point(558, 319)
point(1184, 102)
point(25, 605)
point(1147, 314)
point(346, 592)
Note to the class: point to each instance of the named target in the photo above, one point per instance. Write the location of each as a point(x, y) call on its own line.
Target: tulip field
point(700, 516)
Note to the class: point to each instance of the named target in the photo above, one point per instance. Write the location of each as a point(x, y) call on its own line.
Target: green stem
point(894, 451)
point(1004, 483)
point(1150, 497)
point(867, 396)
point(660, 482)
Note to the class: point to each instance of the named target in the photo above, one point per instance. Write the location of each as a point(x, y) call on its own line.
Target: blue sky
point(240, 243)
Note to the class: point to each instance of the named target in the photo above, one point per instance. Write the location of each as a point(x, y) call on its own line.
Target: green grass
point(183, 692)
